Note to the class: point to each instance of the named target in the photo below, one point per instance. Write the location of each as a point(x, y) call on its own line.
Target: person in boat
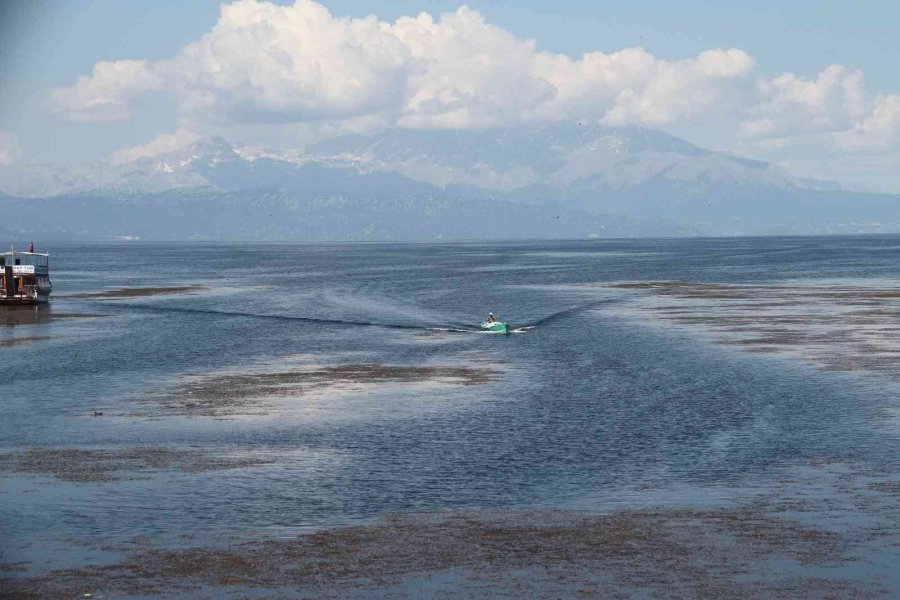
point(491, 318)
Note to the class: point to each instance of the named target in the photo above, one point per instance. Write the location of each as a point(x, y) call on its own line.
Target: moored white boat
point(24, 277)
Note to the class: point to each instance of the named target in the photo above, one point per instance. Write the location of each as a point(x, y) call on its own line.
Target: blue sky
point(47, 45)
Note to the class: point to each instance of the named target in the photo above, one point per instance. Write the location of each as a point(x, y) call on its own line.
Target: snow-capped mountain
point(561, 180)
point(209, 163)
point(203, 154)
point(555, 155)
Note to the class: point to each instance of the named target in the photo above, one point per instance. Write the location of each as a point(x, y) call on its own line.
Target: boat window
point(2, 261)
point(18, 261)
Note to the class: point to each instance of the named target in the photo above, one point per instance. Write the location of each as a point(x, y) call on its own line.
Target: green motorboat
point(495, 325)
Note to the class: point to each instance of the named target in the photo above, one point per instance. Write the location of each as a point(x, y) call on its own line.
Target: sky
point(813, 86)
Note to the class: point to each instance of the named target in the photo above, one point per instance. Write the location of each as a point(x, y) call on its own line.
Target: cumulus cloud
point(679, 90)
point(298, 67)
point(467, 73)
point(263, 63)
point(790, 105)
point(879, 130)
point(9, 149)
point(161, 144)
point(106, 94)
point(830, 114)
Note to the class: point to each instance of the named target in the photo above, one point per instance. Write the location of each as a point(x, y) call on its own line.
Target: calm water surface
point(592, 411)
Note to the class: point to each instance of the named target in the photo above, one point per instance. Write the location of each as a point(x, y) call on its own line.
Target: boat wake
point(248, 315)
point(450, 328)
point(562, 314)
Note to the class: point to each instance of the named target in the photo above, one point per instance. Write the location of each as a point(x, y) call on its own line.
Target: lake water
point(594, 405)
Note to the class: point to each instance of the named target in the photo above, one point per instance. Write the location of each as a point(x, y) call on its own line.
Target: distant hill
point(290, 215)
point(510, 159)
point(561, 180)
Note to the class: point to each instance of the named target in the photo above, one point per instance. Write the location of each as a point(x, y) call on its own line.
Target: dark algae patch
point(835, 326)
point(95, 465)
point(138, 292)
point(230, 394)
point(713, 554)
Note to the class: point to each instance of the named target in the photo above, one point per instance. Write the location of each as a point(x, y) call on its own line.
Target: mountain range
point(555, 181)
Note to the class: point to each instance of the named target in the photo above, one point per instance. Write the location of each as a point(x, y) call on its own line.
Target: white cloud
point(790, 105)
point(467, 73)
point(161, 144)
point(671, 91)
point(263, 62)
point(878, 131)
point(107, 93)
point(830, 115)
point(266, 68)
point(266, 63)
point(9, 149)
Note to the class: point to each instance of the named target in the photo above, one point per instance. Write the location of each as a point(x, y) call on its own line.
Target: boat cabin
point(24, 277)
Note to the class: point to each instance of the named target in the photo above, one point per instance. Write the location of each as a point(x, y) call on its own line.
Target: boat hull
point(496, 327)
point(24, 301)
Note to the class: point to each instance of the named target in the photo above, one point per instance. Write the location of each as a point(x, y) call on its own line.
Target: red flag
point(31, 247)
